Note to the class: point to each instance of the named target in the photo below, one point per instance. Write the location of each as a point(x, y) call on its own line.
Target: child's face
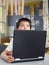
point(24, 26)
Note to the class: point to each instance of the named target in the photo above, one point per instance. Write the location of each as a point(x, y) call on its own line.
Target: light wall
point(30, 4)
point(3, 21)
point(45, 19)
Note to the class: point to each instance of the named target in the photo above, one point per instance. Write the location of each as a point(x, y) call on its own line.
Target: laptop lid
point(29, 44)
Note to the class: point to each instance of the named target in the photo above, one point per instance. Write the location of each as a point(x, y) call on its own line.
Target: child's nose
point(25, 27)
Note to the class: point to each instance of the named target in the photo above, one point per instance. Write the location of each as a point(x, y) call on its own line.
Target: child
point(22, 24)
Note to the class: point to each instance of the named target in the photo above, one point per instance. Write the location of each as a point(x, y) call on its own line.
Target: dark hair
point(23, 19)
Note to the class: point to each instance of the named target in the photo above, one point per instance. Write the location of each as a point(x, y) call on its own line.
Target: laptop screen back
point(29, 44)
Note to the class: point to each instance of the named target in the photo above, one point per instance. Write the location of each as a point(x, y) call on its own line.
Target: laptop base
point(28, 60)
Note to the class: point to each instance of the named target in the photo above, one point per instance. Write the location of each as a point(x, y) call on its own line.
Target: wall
point(38, 23)
point(36, 20)
point(45, 19)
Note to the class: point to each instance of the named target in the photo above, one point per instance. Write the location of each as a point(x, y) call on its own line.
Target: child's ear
point(16, 28)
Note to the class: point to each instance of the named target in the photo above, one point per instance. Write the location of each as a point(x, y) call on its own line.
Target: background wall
point(34, 11)
point(36, 19)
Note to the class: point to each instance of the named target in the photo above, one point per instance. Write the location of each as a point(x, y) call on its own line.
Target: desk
point(43, 62)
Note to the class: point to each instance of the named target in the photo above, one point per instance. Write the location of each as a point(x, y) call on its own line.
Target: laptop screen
point(29, 44)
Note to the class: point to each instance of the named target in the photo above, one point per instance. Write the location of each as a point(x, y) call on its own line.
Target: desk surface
point(43, 62)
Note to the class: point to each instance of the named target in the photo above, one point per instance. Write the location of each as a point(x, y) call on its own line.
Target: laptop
point(29, 45)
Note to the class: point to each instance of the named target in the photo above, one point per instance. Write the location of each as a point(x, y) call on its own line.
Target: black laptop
point(29, 45)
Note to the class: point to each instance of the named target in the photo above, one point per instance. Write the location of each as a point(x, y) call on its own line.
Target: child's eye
point(28, 26)
point(22, 25)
